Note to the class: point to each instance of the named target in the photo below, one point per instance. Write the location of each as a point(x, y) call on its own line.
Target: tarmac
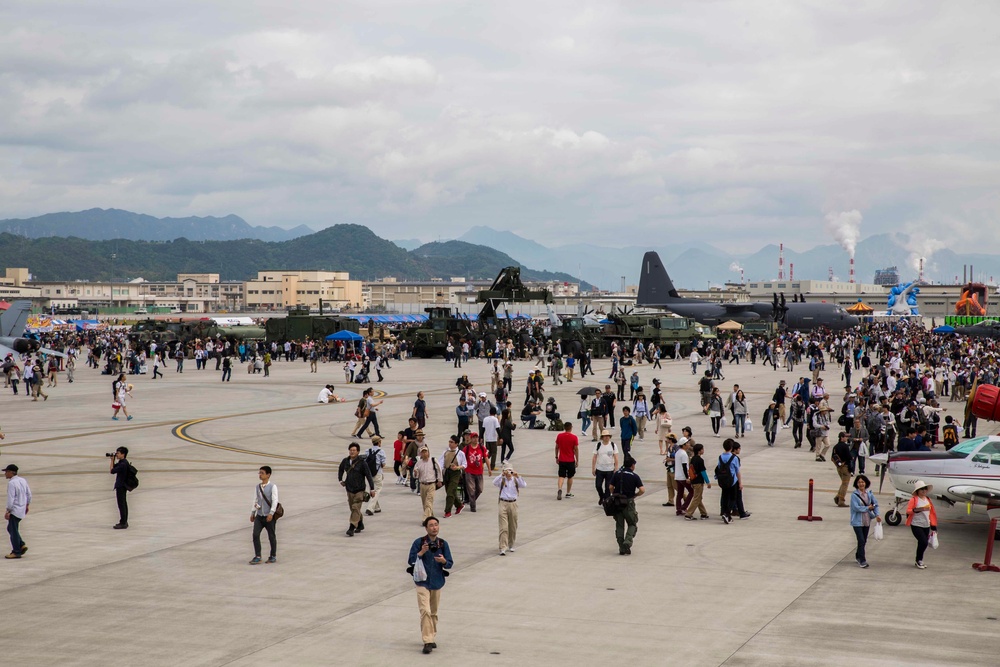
point(176, 589)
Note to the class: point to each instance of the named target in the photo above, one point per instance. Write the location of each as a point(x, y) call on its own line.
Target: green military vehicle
point(664, 330)
point(576, 336)
point(431, 338)
point(299, 327)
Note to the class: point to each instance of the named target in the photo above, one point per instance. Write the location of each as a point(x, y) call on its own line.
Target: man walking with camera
point(18, 502)
point(265, 502)
point(120, 468)
point(434, 556)
point(625, 487)
point(510, 484)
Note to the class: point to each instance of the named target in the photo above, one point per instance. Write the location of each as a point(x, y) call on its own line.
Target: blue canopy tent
point(943, 329)
point(345, 335)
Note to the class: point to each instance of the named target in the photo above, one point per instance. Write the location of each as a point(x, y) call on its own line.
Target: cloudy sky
point(740, 123)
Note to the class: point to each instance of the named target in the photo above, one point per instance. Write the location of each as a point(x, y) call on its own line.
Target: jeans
point(586, 421)
point(626, 446)
point(16, 543)
point(371, 421)
point(261, 523)
point(923, 536)
point(122, 505)
point(797, 432)
point(602, 480)
point(728, 499)
point(861, 532)
point(739, 423)
point(769, 435)
point(227, 374)
point(506, 452)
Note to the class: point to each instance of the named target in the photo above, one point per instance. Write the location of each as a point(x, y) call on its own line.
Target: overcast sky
point(740, 123)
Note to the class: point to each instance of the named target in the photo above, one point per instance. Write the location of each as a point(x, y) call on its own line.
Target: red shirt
point(474, 459)
point(397, 450)
point(566, 443)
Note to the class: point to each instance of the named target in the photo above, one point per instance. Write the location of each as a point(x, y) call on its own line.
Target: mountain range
point(351, 248)
point(100, 224)
point(696, 265)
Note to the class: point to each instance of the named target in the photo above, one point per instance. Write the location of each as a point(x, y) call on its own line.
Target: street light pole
point(113, 257)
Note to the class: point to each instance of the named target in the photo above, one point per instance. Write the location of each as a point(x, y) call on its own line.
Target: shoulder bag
point(278, 511)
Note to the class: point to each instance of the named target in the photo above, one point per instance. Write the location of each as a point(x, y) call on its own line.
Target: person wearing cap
point(376, 451)
point(354, 475)
point(626, 483)
point(18, 504)
point(490, 434)
point(477, 459)
point(841, 458)
point(428, 475)
point(604, 464)
point(922, 519)
point(864, 508)
point(510, 485)
point(452, 463)
point(598, 412)
point(483, 409)
point(821, 430)
point(464, 414)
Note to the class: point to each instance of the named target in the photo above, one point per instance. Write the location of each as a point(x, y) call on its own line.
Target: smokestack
point(781, 261)
point(965, 275)
point(920, 278)
point(852, 270)
point(742, 282)
point(791, 271)
point(972, 272)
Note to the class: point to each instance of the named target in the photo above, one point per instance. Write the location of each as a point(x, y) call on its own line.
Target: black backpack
point(132, 478)
point(724, 472)
point(371, 460)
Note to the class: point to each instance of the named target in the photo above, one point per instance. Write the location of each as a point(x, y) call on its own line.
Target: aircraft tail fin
point(655, 286)
point(14, 320)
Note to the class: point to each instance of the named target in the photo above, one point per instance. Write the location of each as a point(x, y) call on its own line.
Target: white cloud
point(417, 119)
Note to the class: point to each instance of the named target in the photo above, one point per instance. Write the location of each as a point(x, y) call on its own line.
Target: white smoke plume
point(846, 229)
point(735, 266)
point(922, 248)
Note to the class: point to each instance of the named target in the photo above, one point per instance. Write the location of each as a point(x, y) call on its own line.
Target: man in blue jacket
point(629, 429)
point(435, 555)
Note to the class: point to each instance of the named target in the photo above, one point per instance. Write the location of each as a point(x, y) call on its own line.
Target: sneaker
point(863, 564)
point(503, 552)
point(272, 559)
point(512, 549)
point(472, 509)
point(458, 510)
point(369, 513)
point(628, 551)
point(427, 649)
point(688, 517)
point(129, 417)
point(114, 419)
point(745, 516)
point(12, 555)
point(255, 561)
point(703, 517)
point(920, 565)
point(559, 494)
point(569, 495)
point(668, 504)
point(726, 519)
point(447, 515)
point(120, 526)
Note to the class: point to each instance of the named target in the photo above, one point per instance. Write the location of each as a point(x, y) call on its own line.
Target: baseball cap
point(482, 394)
point(10, 468)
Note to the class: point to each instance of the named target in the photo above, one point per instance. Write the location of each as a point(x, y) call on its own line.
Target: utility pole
point(113, 257)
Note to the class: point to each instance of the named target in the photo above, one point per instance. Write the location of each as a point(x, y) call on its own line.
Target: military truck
point(663, 330)
point(431, 338)
point(576, 336)
point(302, 326)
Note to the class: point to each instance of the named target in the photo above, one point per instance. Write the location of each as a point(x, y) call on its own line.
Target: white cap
point(682, 441)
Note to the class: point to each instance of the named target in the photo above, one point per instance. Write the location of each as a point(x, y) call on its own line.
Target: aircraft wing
point(977, 494)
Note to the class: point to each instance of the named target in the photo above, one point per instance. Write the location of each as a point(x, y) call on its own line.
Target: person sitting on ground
point(326, 395)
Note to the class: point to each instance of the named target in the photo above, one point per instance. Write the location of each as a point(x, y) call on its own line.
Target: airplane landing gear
point(893, 517)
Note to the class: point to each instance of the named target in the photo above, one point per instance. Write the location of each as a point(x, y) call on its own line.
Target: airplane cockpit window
point(969, 446)
point(990, 453)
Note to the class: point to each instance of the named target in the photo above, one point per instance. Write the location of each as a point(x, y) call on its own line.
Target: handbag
point(278, 511)
point(419, 570)
point(934, 540)
point(116, 405)
point(877, 531)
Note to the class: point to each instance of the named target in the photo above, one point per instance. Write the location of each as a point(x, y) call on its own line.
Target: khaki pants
point(671, 486)
point(373, 503)
point(569, 373)
point(598, 425)
point(427, 498)
point(361, 422)
point(845, 479)
point(822, 445)
point(427, 602)
point(640, 421)
point(781, 413)
point(508, 524)
point(696, 503)
point(356, 501)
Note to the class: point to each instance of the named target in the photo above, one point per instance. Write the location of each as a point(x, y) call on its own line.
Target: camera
point(110, 455)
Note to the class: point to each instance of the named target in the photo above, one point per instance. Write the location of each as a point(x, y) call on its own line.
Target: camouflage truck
point(663, 330)
point(300, 327)
point(431, 338)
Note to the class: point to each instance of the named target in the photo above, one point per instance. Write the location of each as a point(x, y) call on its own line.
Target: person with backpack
point(477, 459)
point(354, 476)
point(625, 486)
point(263, 515)
point(125, 481)
point(727, 474)
point(949, 433)
point(427, 474)
point(604, 464)
point(510, 485)
point(375, 460)
point(698, 476)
